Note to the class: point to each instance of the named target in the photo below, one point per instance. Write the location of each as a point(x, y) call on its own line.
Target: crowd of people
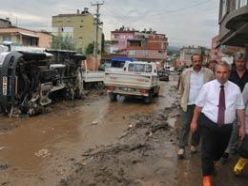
point(214, 113)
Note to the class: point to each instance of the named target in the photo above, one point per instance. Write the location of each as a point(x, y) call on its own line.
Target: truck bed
point(130, 83)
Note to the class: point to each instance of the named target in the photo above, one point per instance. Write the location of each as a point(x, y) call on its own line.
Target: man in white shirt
point(191, 81)
point(216, 132)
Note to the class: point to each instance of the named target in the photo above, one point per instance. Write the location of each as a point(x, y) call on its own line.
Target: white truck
point(135, 78)
point(89, 76)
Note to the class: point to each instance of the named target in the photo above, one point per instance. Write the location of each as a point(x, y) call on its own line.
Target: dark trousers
point(185, 128)
point(214, 142)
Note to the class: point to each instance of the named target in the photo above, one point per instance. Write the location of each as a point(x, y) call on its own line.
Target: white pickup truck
point(133, 79)
point(90, 77)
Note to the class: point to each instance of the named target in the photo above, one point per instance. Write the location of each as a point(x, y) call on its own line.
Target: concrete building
point(215, 52)
point(145, 45)
point(22, 36)
point(80, 26)
point(233, 21)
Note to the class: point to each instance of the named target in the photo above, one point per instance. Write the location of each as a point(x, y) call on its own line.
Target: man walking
point(239, 76)
point(191, 81)
point(216, 106)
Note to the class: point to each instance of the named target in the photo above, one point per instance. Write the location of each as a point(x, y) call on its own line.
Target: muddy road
point(95, 142)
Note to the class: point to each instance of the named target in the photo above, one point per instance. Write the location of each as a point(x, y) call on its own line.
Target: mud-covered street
point(95, 142)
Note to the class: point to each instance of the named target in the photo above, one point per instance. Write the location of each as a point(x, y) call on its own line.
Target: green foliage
point(90, 49)
point(63, 42)
point(173, 51)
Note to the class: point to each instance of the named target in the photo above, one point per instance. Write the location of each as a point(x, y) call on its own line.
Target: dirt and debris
point(134, 160)
point(3, 166)
point(43, 153)
point(97, 142)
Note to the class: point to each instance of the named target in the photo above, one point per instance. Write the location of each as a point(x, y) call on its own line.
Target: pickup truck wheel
point(112, 97)
point(120, 98)
point(156, 94)
point(148, 99)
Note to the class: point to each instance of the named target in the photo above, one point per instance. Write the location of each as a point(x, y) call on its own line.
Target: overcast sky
point(184, 22)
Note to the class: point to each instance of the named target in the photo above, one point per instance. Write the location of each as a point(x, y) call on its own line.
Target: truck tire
point(79, 85)
point(112, 96)
point(120, 98)
point(156, 94)
point(148, 99)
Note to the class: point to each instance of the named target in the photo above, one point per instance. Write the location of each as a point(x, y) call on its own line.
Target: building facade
point(215, 52)
point(81, 27)
point(233, 21)
point(24, 37)
point(145, 45)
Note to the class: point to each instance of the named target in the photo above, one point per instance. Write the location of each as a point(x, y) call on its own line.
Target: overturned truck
point(29, 81)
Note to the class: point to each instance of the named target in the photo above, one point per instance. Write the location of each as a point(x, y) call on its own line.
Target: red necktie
point(222, 106)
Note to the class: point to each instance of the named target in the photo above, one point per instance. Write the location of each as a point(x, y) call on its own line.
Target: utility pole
point(98, 23)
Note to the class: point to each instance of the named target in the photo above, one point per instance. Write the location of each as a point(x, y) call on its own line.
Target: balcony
point(237, 18)
point(237, 24)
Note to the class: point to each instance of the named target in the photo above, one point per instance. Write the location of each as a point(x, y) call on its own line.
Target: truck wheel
point(156, 94)
point(120, 98)
point(148, 99)
point(78, 90)
point(112, 97)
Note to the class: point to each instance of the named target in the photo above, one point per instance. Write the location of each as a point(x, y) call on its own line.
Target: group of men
point(213, 110)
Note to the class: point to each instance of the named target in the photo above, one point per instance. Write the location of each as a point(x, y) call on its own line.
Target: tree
point(63, 42)
point(90, 49)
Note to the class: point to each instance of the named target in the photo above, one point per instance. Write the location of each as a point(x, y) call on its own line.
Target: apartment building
point(81, 26)
point(23, 36)
point(142, 45)
point(233, 21)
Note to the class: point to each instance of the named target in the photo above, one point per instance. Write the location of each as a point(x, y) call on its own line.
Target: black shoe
point(224, 158)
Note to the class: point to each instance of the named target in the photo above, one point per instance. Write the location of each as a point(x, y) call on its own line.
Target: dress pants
point(185, 128)
point(214, 142)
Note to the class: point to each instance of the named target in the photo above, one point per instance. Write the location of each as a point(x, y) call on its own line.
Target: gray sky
point(185, 22)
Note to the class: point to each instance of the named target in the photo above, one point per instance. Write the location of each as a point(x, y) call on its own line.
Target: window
point(240, 3)
point(136, 67)
point(243, 3)
point(223, 8)
point(148, 68)
point(6, 38)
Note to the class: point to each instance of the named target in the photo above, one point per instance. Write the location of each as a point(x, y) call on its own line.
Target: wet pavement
point(98, 142)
